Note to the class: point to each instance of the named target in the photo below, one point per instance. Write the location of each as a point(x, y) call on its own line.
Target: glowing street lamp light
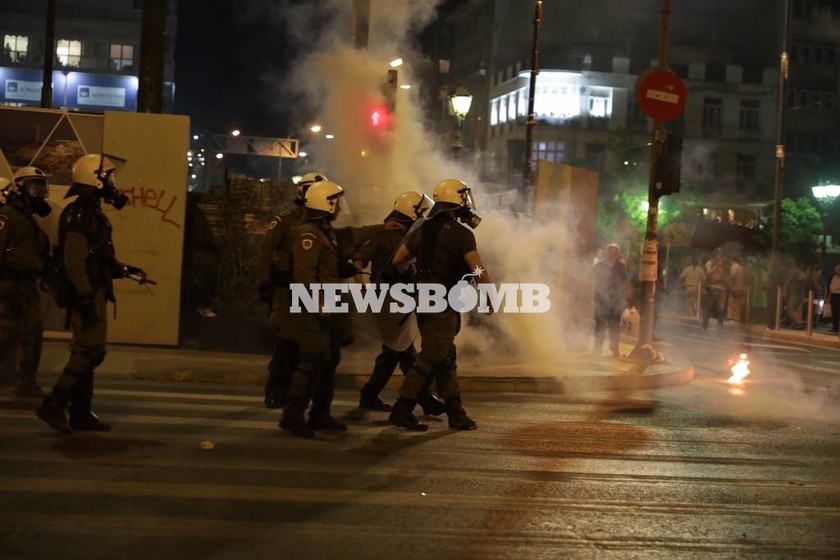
point(316, 128)
point(397, 62)
point(459, 106)
point(235, 132)
point(825, 195)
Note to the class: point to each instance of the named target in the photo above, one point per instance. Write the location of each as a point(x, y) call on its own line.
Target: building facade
point(590, 56)
point(96, 56)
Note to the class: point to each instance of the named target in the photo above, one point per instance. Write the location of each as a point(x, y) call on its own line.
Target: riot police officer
point(397, 330)
point(445, 250)
point(320, 255)
point(275, 273)
point(24, 257)
point(273, 276)
point(89, 261)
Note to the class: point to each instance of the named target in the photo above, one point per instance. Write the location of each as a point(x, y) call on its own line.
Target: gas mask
point(38, 206)
point(465, 213)
point(467, 216)
point(35, 191)
point(111, 195)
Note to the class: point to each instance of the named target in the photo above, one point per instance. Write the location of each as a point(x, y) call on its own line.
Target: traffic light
point(389, 90)
point(668, 164)
point(380, 118)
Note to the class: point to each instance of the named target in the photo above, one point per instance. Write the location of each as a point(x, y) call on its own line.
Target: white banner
point(20, 90)
point(101, 96)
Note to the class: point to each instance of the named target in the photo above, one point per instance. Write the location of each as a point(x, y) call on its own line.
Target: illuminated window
point(522, 110)
point(512, 107)
point(494, 112)
point(122, 57)
point(15, 48)
point(598, 106)
point(503, 109)
point(549, 151)
point(69, 53)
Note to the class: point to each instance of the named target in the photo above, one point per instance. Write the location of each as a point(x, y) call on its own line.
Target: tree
point(801, 231)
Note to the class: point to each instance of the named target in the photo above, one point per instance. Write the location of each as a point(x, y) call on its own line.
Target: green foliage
point(801, 230)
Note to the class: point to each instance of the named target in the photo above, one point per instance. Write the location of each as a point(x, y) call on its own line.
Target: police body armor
point(434, 265)
point(85, 216)
point(27, 253)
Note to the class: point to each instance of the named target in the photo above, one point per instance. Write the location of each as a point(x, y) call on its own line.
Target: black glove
point(346, 269)
point(129, 270)
point(266, 292)
point(85, 306)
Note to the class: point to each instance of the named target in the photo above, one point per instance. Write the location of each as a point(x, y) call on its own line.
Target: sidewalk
point(572, 374)
point(819, 337)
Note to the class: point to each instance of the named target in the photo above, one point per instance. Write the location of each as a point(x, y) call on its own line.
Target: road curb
point(472, 383)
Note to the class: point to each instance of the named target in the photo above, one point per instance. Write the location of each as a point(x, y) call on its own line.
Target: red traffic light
point(380, 118)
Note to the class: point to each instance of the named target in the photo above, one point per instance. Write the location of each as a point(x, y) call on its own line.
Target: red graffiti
point(152, 198)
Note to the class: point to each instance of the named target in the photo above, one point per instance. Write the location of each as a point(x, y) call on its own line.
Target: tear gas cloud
point(339, 81)
point(342, 82)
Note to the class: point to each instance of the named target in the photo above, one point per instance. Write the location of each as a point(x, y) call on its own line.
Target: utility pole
point(152, 54)
point(650, 251)
point(784, 66)
point(361, 23)
point(49, 57)
point(528, 169)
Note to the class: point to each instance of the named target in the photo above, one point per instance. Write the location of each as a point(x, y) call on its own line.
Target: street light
point(825, 195)
point(459, 106)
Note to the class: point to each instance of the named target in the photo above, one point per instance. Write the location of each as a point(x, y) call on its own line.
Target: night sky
point(222, 53)
point(227, 53)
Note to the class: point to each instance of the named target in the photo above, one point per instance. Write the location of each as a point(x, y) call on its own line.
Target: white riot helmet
point(410, 205)
point(33, 182)
point(306, 181)
point(93, 170)
point(454, 194)
point(322, 199)
point(97, 171)
point(33, 186)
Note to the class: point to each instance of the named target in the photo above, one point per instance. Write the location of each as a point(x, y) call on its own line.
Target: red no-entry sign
point(661, 94)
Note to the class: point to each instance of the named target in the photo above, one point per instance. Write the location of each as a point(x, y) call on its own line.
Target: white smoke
point(342, 83)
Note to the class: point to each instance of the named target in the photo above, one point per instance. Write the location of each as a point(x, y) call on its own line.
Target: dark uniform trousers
point(385, 364)
point(21, 325)
point(436, 361)
point(285, 353)
point(314, 377)
point(87, 351)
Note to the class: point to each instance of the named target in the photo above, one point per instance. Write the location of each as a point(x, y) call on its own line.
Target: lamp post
point(459, 106)
point(825, 195)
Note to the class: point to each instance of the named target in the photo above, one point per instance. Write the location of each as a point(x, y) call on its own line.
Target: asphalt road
point(710, 471)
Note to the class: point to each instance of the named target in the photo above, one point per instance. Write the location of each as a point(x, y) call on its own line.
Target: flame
point(740, 369)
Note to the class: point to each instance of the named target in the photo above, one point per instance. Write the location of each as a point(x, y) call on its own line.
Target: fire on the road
point(740, 369)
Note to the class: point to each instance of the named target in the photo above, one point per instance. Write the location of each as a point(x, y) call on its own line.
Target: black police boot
point(321, 419)
point(370, 400)
point(273, 386)
point(458, 419)
point(403, 417)
point(81, 416)
point(431, 405)
point(273, 398)
point(87, 421)
point(53, 410)
point(294, 422)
